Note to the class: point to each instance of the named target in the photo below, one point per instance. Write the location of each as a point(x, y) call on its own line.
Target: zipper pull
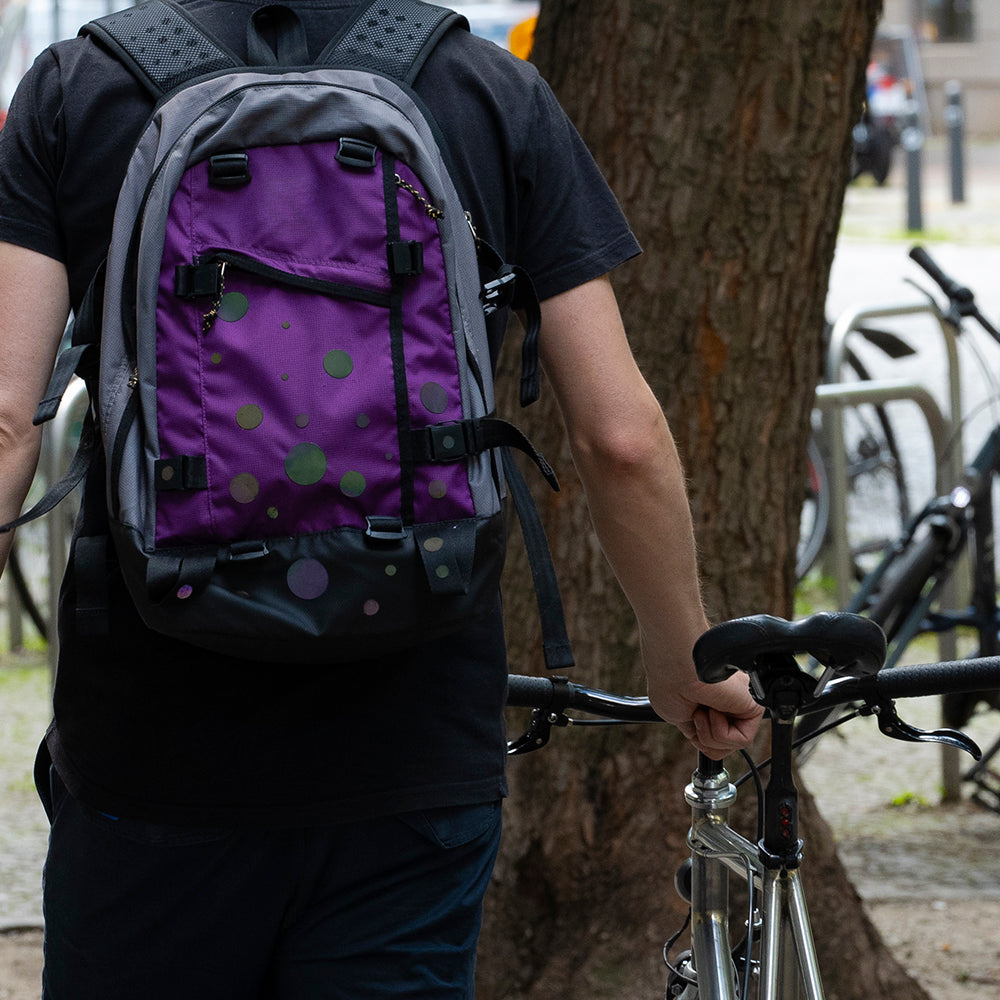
point(472, 227)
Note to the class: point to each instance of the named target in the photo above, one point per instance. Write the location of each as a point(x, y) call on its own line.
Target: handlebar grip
point(919, 680)
point(529, 692)
point(950, 287)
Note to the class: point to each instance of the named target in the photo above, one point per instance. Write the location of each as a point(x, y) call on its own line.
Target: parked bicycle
point(903, 593)
point(876, 479)
point(774, 957)
point(877, 505)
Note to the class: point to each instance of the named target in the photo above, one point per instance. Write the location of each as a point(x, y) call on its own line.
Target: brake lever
point(538, 732)
point(894, 727)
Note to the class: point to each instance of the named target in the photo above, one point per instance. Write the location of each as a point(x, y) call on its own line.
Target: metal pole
point(954, 116)
point(912, 141)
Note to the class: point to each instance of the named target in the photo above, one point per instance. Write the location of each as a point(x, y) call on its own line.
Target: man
point(231, 829)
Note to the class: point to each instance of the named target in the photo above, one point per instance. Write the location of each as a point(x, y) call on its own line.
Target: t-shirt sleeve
point(29, 147)
point(571, 227)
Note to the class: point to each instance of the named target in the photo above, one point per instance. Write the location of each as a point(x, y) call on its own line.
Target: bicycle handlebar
point(913, 680)
point(961, 298)
point(557, 693)
point(918, 680)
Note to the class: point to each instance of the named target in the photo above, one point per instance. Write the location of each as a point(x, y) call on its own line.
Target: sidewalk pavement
point(873, 213)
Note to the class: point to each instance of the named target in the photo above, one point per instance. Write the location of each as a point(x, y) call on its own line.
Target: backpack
point(294, 394)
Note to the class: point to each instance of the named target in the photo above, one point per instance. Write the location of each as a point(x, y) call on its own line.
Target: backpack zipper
point(250, 265)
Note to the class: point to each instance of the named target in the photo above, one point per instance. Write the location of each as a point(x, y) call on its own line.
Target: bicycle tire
point(878, 505)
point(814, 520)
point(878, 502)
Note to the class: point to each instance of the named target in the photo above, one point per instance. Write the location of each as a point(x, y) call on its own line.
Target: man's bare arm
point(626, 458)
point(34, 306)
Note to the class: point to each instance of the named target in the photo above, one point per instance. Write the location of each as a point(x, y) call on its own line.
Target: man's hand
point(717, 718)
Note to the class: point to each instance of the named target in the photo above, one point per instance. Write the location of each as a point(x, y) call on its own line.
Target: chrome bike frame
point(788, 967)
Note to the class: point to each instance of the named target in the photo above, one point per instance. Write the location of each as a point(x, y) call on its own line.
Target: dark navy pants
point(376, 909)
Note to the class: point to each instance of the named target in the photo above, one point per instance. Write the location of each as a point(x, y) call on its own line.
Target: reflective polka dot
point(305, 464)
point(437, 489)
point(434, 544)
point(272, 512)
point(249, 416)
point(244, 488)
point(338, 364)
point(233, 306)
point(371, 608)
point(442, 572)
point(352, 484)
point(184, 591)
point(302, 420)
point(307, 579)
point(167, 473)
point(216, 358)
point(363, 420)
point(285, 325)
point(434, 397)
point(391, 570)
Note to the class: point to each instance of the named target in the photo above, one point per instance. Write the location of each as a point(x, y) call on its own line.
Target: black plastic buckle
point(242, 551)
point(446, 442)
point(229, 170)
point(356, 153)
point(193, 281)
point(385, 529)
point(406, 258)
point(499, 293)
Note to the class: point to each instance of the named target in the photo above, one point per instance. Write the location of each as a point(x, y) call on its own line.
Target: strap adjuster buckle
point(499, 293)
point(447, 442)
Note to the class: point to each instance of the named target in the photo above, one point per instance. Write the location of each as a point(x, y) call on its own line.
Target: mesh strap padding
point(161, 44)
point(391, 36)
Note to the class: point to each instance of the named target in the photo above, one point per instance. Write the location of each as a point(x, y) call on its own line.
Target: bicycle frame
point(788, 964)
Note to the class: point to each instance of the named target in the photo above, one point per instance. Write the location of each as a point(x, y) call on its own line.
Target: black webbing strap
point(161, 44)
point(179, 576)
point(455, 440)
point(67, 363)
point(90, 565)
point(394, 37)
point(512, 287)
point(276, 37)
point(89, 441)
point(556, 647)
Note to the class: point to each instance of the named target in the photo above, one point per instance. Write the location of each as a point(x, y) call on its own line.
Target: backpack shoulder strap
point(394, 37)
point(161, 44)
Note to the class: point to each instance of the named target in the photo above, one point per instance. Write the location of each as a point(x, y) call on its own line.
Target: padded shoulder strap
point(161, 44)
point(394, 37)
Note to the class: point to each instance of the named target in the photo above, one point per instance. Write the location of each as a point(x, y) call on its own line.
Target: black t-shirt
point(153, 728)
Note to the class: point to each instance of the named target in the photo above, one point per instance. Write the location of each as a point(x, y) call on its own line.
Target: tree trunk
point(724, 127)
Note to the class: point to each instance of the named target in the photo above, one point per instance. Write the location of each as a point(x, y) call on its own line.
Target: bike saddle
point(846, 644)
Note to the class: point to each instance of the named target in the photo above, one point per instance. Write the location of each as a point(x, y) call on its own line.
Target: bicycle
point(875, 475)
point(902, 593)
point(776, 958)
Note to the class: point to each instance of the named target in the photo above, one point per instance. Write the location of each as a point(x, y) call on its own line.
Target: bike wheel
point(878, 507)
point(814, 521)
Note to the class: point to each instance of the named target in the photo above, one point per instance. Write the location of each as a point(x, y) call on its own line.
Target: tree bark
point(724, 127)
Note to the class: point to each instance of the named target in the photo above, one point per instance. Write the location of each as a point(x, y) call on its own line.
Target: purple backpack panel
point(279, 388)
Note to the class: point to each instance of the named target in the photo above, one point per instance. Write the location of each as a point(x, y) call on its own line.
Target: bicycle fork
point(788, 968)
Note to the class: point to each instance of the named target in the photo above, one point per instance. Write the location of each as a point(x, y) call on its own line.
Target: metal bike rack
point(833, 396)
point(949, 462)
point(55, 456)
